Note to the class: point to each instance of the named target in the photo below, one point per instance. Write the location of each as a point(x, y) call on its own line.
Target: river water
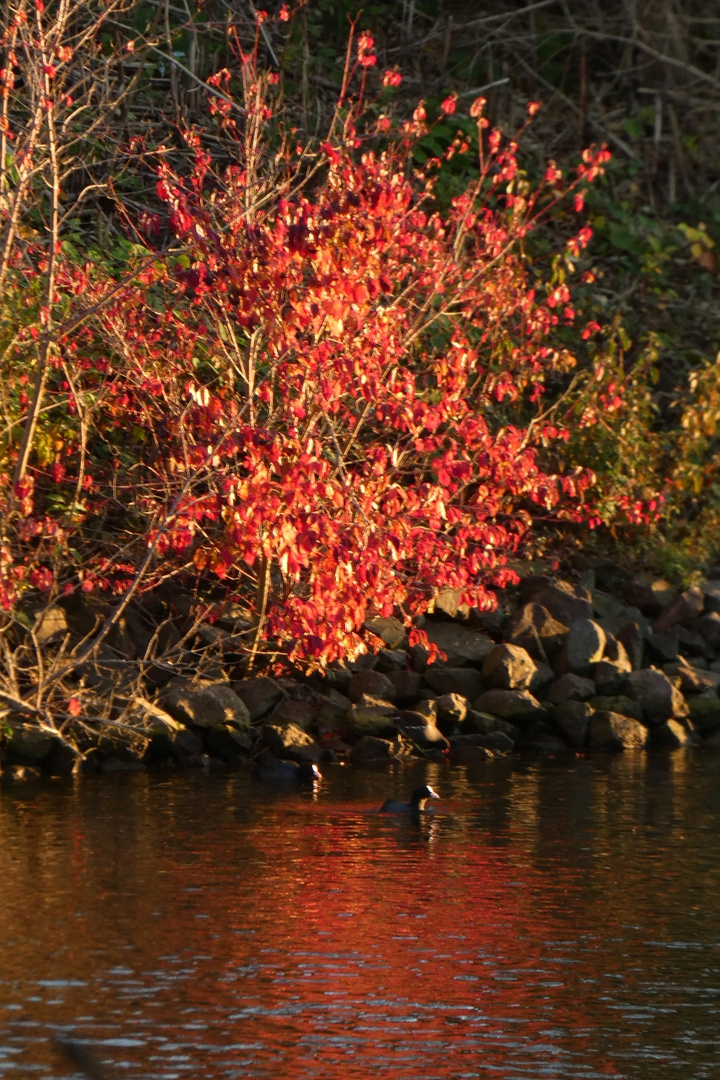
point(553, 918)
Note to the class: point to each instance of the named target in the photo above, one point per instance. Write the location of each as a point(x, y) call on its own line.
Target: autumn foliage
point(317, 390)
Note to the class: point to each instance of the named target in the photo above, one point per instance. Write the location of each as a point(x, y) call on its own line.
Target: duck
point(280, 771)
point(416, 805)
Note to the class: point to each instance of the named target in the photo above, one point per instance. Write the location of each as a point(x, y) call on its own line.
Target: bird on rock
point(418, 799)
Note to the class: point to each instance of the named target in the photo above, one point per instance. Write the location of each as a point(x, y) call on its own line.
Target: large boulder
point(687, 606)
point(535, 629)
point(573, 719)
point(372, 748)
point(566, 602)
point(461, 645)
point(260, 696)
point(611, 731)
point(390, 630)
point(508, 667)
point(570, 687)
point(709, 627)
point(290, 741)
point(204, 704)
point(373, 683)
point(518, 706)
point(582, 648)
point(446, 680)
point(659, 698)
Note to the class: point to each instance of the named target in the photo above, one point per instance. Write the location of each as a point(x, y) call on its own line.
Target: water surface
point(552, 919)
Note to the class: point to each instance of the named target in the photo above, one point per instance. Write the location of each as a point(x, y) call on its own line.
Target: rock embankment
point(566, 666)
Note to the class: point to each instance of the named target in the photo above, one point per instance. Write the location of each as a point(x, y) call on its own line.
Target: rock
point(567, 603)
point(19, 774)
point(406, 684)
point(613, 624)
point(708, 626)
point(665, 646)
point(508, 667)
point(631, 636)
point(613, 669)
point(373, 683)
point(650, 594)
point(204, 704)
point(672, 736)
point(517, 706)
point(570, 687)
point(618, 703)
point(260, 696)
point(447, 602)
point(573, 719)
point(660, 700)
point(290, 742)
point(371, 748)
point(461, 645)
point(361, 720)
point(694, 644)
point(545, 741)
point(185, 745)
point(389, 660)
point(452, 709)
point(465, 681)
point(301, 712)
point(611, 731)
point(542, 677)
point(606, 606)
point(51, 625)
point(534, 622)
point(473, 745)
point(704, 711)
point(484, 723)
point(26, 743)
point(711, 595)
point(693, 680)
point(583, 647)
point(531, 584)
point(687, 606)
point(226, 742)
point(332, 711)
point(390, 630)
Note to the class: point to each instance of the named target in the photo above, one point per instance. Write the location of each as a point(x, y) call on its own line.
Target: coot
point(279, 771)
point(417, 802)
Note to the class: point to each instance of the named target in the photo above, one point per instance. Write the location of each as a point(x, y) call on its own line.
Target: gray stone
point(567, 603)
point(445, 680)
point(485, 724)
point(390, 630)
point(610, 674)
point(447, 602)
point(693, 680)
point(583, 647)
point(613, 624)
point(452, 710)
point(533, 623)
point(514, 705)
point(373, 683)
point(632, 636)
point(687, 606)
point(508, 667)
point(392, 660)
point(664, 646)
point(611, 731)
point(570, 687)
point(51, 625)
point(371, 748)
point(694, 644)
point(660, 700)
point(545, 741)
point(227, 742)
point(573, 719)
point(204, 704)
point(606, 606)
point(472, 745)
point(711, 593)
point(709, 627)
point(260, 696)
point(27, 744)
point(368, 721)
point(542, 677)
point(651, 594)
point(705, 711)
point(462, 645)
point(406, 684)
point(301, 712)
point(618, 703)
point(185, 745)
point(290, 741)
point(672, 735)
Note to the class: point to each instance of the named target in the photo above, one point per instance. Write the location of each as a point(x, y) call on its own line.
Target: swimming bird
point(417, 802)
point(279, 771)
